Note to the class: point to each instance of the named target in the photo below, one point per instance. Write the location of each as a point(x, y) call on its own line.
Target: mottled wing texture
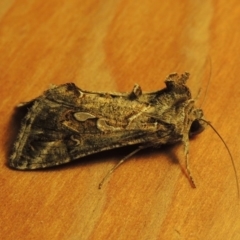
point(66, 123)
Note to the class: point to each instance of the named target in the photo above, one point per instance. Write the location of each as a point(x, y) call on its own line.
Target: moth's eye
point(196, 127)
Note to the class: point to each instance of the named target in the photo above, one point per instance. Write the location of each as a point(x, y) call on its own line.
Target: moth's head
point(197, 125)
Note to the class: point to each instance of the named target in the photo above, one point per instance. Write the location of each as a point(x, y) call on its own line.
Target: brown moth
point(67, 123)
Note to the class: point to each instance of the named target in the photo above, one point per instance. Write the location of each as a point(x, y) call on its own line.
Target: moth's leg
point(188, 117)
point(119, 163)
point(186, 154)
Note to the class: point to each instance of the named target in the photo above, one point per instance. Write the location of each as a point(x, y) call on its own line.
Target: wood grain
point(109, 46)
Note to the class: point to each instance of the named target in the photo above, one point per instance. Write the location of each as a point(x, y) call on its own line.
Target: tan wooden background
point(108, 46)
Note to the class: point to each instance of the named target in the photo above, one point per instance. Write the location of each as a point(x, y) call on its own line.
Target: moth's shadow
point(13, 128)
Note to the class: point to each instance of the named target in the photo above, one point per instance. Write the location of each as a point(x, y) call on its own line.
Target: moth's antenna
point(210, 75)
point(231, 157)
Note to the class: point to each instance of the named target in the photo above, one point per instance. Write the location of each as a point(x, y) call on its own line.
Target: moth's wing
point(60, 127)
point(42, 142)
point(42, 145)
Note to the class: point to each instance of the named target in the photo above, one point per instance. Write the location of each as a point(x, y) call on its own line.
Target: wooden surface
point(109, 46)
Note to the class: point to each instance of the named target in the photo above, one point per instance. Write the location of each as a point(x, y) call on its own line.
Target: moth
point(66, 123)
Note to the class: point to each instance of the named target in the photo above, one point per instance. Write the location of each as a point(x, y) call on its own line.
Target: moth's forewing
point(66, 123)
